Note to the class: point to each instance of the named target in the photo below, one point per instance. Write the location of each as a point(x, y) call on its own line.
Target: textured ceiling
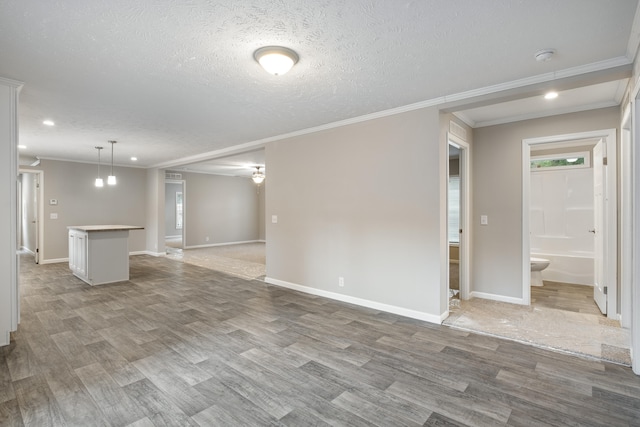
point(172, 79)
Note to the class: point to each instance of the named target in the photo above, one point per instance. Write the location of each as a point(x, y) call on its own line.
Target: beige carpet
point(245, 260)
point(583, 334)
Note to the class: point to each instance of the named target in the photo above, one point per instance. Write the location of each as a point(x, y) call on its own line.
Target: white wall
point(497, 192)
point(81, 203)
point(360, 202)
point(562, 212)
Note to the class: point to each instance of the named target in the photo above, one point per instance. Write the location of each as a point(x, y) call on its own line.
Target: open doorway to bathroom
point(174, 199)
point(457, 220)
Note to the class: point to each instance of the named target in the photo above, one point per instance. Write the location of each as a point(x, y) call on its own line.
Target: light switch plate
point(53, 216)
point(53, 202)
point(274, 219)
point(484, 220)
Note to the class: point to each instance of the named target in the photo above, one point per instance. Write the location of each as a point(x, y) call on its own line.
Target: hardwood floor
point(183, 345)
point(565, 296)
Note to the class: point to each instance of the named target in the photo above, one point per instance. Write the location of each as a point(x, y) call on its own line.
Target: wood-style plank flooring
point(182, 345)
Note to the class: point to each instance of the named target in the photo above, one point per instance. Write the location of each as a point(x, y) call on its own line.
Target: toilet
point(537, 265)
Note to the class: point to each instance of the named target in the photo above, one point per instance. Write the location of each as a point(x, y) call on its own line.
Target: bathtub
point(573, 267)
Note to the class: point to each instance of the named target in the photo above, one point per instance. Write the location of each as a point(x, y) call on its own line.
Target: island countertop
point(104, 227)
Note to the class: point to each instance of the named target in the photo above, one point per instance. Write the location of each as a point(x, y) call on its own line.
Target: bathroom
point(562, 213)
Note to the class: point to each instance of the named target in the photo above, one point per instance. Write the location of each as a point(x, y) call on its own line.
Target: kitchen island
point(99, 254)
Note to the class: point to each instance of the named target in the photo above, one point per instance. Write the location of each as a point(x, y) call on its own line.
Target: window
point(561, 161)
point(454, 209)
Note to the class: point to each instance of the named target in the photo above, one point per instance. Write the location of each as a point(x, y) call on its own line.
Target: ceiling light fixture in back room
point(258, 176)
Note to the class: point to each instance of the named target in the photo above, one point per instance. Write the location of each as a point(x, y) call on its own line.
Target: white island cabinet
point(99, 254)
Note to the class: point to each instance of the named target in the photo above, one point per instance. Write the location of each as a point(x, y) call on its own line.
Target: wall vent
point(172, 175)
point(457, 130)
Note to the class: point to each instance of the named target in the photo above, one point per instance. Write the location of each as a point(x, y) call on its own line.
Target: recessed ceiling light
point(551, 95)
point(22, 147)
point(276, 60)
point(134, 159)
point(572, 160)
point(48, 123)
point(544, 55)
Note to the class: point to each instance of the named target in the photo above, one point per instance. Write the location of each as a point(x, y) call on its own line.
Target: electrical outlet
point(341, 282)
point(206, 239)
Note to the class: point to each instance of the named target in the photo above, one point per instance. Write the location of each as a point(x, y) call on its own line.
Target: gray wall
point(170, 209)
point(497, 192)
point(81, 203)
point(362, 202)
point(223, 208)
point(154, 225)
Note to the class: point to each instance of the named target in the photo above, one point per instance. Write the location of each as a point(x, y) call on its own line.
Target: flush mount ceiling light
point(258, 176)
point(111, 179)
point(572, 159)
point(48, 123)
point(551, 95)
point(544, 55)
point(276, 60)
point(99, 181)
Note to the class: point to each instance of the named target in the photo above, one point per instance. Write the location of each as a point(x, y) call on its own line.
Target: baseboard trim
point(59, 260)
point(494, 297)
point(221, 244)
point(157, 254)
point(53, 261)
point(413, 314)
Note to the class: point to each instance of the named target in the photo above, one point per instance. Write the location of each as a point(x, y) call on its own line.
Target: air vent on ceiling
point(458, 130)
point(172, 175)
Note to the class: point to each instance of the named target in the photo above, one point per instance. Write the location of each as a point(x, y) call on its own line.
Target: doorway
point(174, 215)
point(457, 220)
point(604, 262)
point(30, 212)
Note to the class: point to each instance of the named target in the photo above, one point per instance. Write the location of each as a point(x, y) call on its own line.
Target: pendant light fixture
point(99, 181)
point(111, 180)
point(258, 177)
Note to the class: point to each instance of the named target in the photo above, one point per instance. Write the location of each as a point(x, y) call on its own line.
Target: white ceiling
point(175, 81)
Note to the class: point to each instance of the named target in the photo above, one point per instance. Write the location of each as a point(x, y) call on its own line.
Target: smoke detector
point(544, 55)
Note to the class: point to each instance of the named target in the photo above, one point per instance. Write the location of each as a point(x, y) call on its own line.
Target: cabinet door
point(72, 251)
point(80, 246)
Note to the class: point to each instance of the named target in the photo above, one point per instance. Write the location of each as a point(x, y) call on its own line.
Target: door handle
point(592, 231)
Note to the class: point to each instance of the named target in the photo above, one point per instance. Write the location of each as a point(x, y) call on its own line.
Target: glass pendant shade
point(111, 179)
point(99, 182)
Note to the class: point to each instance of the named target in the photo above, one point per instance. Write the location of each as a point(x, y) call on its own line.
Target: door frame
point(39, 256)
point(465, 205)
point(184, 206)
point(610, 213)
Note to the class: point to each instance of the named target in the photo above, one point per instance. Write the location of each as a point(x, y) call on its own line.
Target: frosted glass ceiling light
point(551, 95)
point(111, 179)
point(99, 181)
point(276, 60)
point(258, 176)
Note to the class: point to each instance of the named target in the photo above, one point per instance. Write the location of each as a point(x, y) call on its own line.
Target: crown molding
point(613, 64)
point(547, 113)
point(11, 83)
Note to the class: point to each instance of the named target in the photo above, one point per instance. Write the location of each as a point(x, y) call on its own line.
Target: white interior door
point(599, 286)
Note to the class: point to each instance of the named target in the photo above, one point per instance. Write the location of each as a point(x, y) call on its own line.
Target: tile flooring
point(181, 345)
